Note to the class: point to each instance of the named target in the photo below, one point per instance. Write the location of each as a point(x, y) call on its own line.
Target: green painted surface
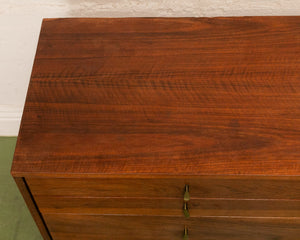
point(16, 222)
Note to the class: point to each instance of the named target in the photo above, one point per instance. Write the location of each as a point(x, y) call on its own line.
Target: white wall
point(20, 24)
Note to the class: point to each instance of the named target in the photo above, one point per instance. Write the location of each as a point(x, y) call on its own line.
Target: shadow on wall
point(179, 8)
point(136, 8)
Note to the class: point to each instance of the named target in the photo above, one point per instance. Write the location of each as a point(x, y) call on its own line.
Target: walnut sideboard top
point(181, 96)
point(163, 128)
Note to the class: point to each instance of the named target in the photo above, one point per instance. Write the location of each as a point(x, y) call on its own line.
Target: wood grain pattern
point(168, 207)
point(200, 187)
point(82, 227)
point(120, 114)
point(194, 96)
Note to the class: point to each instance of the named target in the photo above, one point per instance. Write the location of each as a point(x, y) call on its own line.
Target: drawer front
point(199, 187)
point(169, 206)
point(92, 227)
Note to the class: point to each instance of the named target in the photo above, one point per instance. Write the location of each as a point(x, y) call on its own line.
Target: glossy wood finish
point(121, 114)
point(195, 96)
point(169, 207)
point(92, 227)
point(200, 187)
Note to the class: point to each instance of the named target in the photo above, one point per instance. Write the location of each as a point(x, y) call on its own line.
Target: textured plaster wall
point(20, 24)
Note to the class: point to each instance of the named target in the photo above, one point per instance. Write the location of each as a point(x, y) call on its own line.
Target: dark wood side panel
point(22, 185)
point(92, 227)
point(200, 187)
point(169, 207)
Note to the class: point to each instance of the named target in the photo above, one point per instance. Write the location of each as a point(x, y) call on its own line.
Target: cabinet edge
point(36, 214)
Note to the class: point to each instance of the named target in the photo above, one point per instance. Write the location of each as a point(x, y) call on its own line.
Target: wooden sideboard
point(163, 128)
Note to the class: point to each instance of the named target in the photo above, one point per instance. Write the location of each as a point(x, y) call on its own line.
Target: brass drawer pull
point(185, 236)
point(186, 196)
point(186, 210)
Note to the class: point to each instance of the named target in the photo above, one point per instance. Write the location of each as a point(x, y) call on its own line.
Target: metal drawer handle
point(186, 210)
point(186, 196)
point(185, 236)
